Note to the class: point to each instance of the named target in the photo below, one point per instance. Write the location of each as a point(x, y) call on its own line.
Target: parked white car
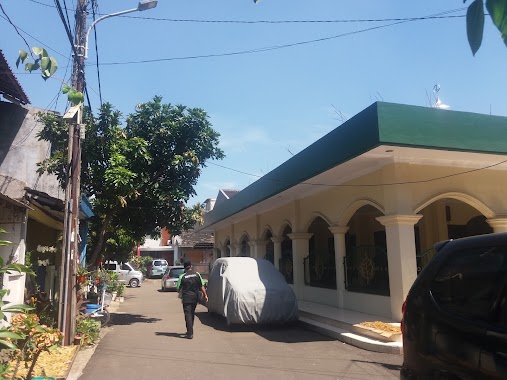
point(157, 267)
point(126, 273)
point(250, 291)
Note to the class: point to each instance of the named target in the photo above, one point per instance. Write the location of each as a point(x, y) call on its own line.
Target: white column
point(498, 224)
point(253, 248)
point(300, 249)
point(401, 257)
point(258, 247)
point(339, 254)
point(277, 251)
point(234, 249)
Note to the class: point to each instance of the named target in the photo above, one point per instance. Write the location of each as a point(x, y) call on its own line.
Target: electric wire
point(94, 5)
point(364, 185)
point(35, 39)
point(66, 13)
point(271, 48)
point(15, 28)
point(334, 21)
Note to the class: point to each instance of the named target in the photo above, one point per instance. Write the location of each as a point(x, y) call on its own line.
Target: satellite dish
point(438, 103)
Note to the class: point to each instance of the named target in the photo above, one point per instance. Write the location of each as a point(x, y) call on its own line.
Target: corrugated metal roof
point(380, 124)
point(9, 85)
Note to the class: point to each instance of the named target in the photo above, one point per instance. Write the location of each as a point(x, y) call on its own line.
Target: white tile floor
point(342, 315)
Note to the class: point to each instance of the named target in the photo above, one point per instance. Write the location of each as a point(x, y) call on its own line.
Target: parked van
point(126, 273)
point(455, 315)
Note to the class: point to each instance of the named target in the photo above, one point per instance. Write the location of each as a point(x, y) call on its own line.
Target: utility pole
point(70, 251)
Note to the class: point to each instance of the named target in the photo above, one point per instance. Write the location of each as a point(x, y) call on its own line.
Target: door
point(123, 271)
point(494, 350)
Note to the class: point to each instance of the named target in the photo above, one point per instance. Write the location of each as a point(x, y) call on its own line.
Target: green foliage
point(497, 9)
point(141, 175)
point(141, 263)
point(88, 330)
point(44, 62)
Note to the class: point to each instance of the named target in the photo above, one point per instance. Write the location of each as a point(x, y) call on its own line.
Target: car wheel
point(134, 283)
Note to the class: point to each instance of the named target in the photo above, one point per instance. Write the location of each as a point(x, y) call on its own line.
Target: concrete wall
point(20, 151)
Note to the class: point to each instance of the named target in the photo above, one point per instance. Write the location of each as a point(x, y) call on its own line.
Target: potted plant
point(87, 331)
point(121, 290)
point(81, 274)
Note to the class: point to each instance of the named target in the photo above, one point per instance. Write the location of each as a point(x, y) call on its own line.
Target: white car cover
point(246, 290)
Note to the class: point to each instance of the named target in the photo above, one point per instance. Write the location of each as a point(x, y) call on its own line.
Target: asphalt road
point(145, 342)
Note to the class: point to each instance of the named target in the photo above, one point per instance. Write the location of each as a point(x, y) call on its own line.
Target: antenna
point(438, 103)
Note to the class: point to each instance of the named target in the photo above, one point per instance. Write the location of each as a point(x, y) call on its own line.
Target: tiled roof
point(194, 239)
point(9, 85)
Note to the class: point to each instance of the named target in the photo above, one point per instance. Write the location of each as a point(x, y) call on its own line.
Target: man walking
point(189, 285)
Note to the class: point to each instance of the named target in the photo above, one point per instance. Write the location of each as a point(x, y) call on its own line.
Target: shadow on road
point(286, 333)
point(391, 367)
point(170, 334)
point(130, 319)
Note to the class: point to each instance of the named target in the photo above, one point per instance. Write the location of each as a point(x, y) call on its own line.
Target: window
point(126, 267)
point(111, 267)
point(472, 282)
point(176, 272)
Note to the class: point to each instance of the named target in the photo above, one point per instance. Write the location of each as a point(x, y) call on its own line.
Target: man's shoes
point(190, 336)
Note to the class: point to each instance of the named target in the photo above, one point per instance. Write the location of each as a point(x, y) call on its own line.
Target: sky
point(271, 87)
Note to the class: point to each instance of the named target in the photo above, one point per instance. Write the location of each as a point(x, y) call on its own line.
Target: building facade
point(351, 219)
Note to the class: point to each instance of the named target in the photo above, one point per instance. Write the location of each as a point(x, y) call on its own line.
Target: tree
point(139, 176)
point(497, 9)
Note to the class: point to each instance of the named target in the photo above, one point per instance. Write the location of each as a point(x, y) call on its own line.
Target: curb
point(351, 338)
point(84, 354)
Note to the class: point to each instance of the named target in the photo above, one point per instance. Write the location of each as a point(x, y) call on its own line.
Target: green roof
point(379, 124)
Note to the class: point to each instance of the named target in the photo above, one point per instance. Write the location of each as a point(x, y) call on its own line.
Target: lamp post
point(67, 296)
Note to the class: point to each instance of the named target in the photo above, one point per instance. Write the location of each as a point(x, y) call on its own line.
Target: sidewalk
point(342, 324)
point(85, 353)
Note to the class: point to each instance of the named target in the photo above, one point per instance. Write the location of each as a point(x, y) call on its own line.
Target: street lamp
point(142, 6)
point(67, 302)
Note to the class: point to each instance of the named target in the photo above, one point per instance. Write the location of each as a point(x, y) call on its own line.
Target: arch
point(243, 236)
point(227, 241)
point(465, 198)
point(356, 205)
point(316, 215)
point(265, 231)
point(286, 223)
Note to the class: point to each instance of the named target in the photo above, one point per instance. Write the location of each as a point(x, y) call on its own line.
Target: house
point(351, 219)
point(31, 205)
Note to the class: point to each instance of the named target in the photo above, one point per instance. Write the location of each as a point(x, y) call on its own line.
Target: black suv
point(455, 315)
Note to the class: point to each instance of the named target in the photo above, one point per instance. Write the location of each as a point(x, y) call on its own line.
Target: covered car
point(250, 291)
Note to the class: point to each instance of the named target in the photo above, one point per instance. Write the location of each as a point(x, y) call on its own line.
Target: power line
point(35, 39)
point(15, 27)
point(67, 28)
point(334, 21)
point(95, 5)
point(365, 185)
point(275, 47)
point(66, 13)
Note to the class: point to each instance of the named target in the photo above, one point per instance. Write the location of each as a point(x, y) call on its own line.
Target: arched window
point(244, 250)
point(320, 268)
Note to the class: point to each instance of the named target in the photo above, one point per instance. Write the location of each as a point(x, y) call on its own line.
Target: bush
point(88, 330)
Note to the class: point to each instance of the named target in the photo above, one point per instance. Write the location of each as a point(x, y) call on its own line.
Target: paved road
point(145, 342)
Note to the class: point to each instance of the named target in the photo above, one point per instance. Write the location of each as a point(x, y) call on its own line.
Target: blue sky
point(269, 105)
